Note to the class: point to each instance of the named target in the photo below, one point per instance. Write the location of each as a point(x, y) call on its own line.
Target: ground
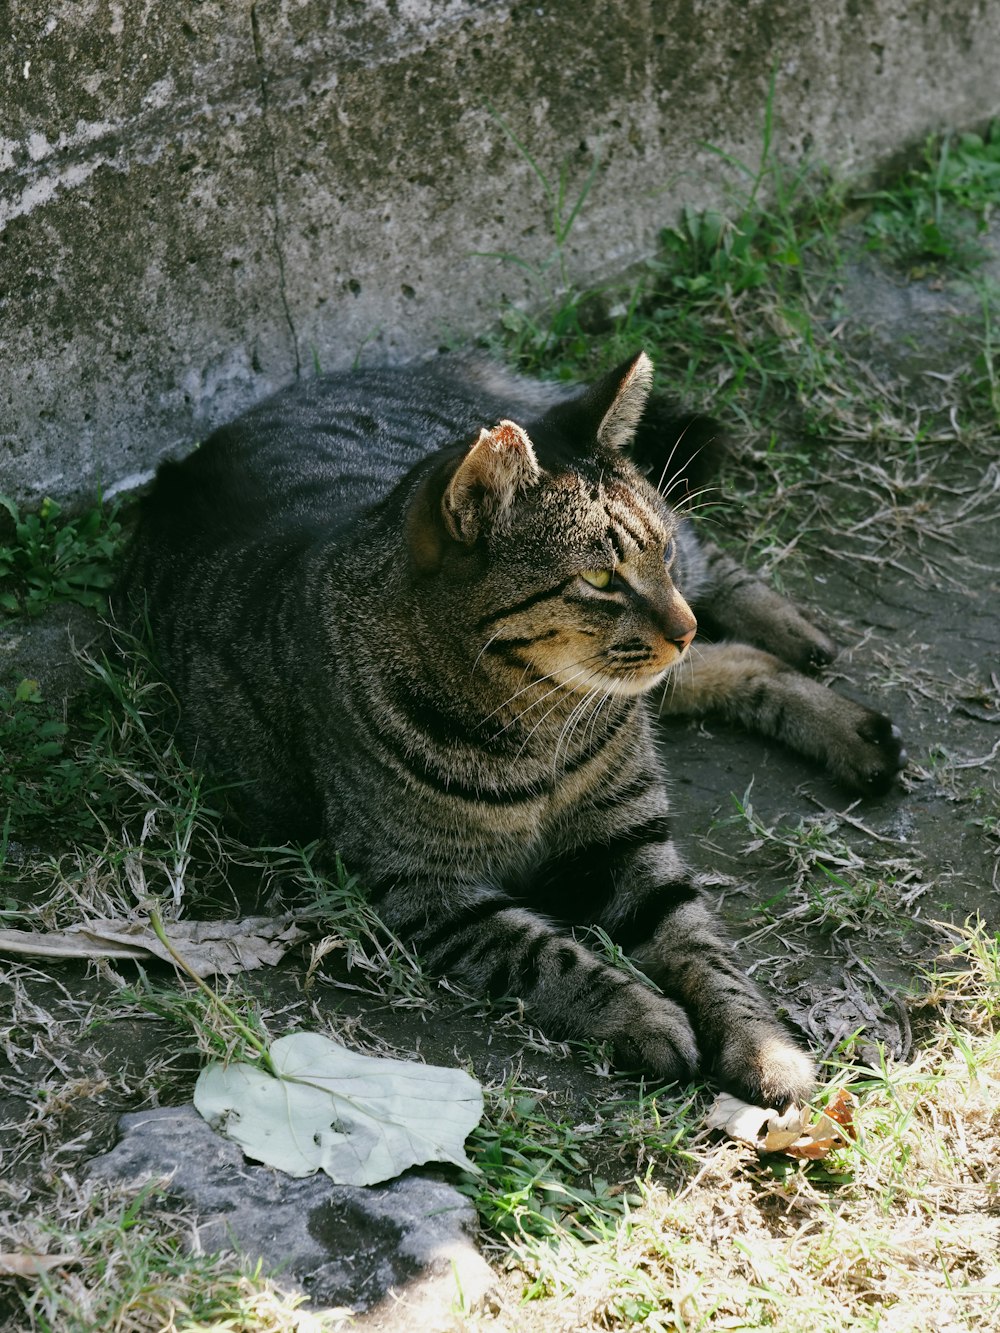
point(864, 479)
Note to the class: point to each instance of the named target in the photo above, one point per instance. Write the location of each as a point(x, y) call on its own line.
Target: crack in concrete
point(277, 237)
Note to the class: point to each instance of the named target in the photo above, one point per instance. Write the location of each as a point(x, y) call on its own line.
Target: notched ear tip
point(508, 435)
point(499, 464)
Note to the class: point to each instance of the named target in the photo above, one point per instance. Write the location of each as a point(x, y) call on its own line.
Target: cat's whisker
point(596, 701)
point(670, 458)
point(537, 680)
point(565, 735)
point(546, 714)
point(674, 678)
point(540, 680)
point(589, 736)
point(560, 685)
point(669, 686)
point(565, 730)
point(479, 655)
point(686, 505)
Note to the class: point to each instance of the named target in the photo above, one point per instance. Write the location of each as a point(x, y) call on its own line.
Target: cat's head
point(550, 553)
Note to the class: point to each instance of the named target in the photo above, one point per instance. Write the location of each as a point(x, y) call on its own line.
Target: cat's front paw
point(764, 1066)
point(661, 1041)
point(871, 755)
point(798, 642)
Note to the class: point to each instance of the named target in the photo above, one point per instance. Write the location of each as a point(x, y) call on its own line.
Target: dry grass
point(902, 1234)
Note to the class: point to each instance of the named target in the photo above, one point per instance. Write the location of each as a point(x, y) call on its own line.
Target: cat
point(429, 613)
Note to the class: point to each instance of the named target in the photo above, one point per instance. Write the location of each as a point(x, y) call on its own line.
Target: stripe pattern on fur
point(429, 613)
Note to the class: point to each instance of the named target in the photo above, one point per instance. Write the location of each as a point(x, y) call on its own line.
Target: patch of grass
point(124, 1262)
point(46, 787)
point(538, 1177)
point(933, 215)
point(903, 1233)
point(557, 323)
point(116, 791)
point(828, 883)
point(125, 826)
point(50, 558)
point(550, 1175)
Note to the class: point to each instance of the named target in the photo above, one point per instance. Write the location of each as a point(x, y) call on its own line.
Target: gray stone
point(198, 203)
point(44, 648)
point(400, 1256)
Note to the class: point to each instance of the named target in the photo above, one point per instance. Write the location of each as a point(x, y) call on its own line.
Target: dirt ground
point(835, 902)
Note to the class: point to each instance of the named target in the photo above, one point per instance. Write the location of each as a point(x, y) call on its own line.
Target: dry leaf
point(208, 947)
point(31, 1265)
point(841, 1107)
point(360, 1118)
point(833, 1128)
point(737, 1119)
point(791, 1133)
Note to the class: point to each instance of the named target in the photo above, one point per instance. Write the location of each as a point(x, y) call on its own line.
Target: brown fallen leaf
point(32, 1265)
point(208, 947)
point(833, 1128)
point(796, 1133)
point(841, 1107)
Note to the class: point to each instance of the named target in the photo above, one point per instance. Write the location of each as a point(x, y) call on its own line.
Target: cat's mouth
point(625, 679)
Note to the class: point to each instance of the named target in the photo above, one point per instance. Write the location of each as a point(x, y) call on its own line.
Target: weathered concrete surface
point(398, 1257)
point(198, 203)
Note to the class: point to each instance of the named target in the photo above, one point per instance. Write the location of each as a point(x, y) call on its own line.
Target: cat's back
point(320, 452)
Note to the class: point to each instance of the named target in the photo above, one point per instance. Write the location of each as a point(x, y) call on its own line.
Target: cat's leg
point(858, 746)
point(732, 603)
point(654, 909)
point(493, 945)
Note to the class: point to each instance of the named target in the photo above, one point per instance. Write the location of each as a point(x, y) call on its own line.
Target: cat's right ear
point(479, 489)
point(483, 487)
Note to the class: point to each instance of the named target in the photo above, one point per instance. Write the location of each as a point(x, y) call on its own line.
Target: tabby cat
point(431, 613)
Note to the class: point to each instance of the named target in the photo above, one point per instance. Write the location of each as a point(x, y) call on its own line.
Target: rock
point(42, 648)
point(400, 1257)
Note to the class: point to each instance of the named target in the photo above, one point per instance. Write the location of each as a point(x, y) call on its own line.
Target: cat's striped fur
point(438, 638)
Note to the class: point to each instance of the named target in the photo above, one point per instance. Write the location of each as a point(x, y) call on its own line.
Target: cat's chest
point(511, 836)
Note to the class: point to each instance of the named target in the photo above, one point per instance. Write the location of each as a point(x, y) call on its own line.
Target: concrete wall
point(199, 201)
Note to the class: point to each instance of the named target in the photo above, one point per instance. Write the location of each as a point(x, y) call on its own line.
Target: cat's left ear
point(499, 465)
point(610, 410)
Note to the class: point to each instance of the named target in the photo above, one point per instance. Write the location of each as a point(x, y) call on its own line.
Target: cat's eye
point(670, 552)
point(597, 578)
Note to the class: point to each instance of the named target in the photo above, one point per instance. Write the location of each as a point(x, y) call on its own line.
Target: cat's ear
point(610, 410)
point(631, 384)
point(499, 465)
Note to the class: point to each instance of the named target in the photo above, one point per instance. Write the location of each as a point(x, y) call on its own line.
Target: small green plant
point(51, 558)
point(536, 1179)
point(532, 340)
point(43, 783)
point(934, 214)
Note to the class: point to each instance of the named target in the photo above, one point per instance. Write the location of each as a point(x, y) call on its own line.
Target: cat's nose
point(685, 639)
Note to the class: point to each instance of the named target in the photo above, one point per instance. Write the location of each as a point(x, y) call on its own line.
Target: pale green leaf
point(360, 1118)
